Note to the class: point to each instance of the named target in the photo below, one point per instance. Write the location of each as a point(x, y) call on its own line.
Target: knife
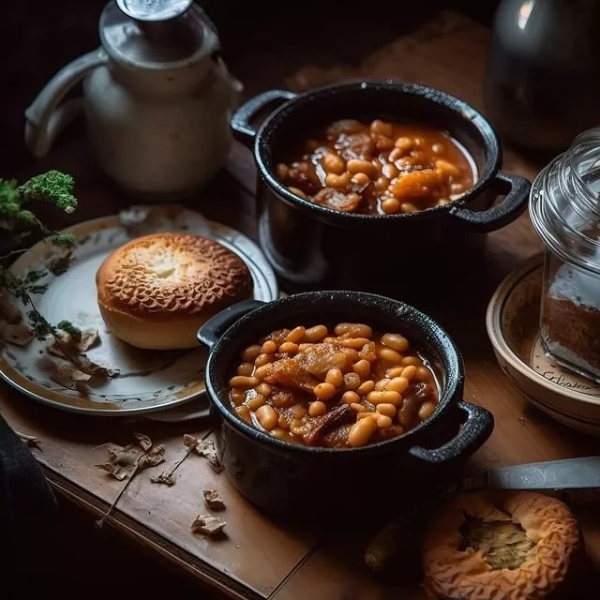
point(564, 474)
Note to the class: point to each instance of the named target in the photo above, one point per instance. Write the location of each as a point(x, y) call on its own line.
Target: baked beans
point(378, 168)
point(339, 387)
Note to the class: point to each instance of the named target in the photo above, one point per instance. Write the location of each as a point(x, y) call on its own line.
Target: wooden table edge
point(135, 531)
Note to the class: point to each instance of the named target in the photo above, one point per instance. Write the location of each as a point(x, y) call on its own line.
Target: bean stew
point(379, 167)
point(339, 387)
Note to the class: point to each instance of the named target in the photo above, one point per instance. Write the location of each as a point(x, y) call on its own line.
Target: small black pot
point(314, 247)
point(310, 482)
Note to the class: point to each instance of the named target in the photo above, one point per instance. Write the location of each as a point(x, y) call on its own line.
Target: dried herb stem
point(150, 456)
point(178, 463)
point(20, 226)
point(100, 522)
point(52, 332)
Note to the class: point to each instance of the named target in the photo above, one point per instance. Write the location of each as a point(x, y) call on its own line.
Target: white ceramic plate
point(513, 328)
point(148, 381)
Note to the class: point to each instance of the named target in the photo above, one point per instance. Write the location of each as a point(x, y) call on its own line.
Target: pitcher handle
point(45, 117)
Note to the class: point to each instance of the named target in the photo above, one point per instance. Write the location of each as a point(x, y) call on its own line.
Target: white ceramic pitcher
point(156, 96)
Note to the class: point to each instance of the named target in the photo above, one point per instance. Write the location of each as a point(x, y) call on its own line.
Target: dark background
point(38, 37)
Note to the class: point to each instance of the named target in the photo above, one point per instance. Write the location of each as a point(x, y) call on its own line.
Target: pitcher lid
point(155, 34)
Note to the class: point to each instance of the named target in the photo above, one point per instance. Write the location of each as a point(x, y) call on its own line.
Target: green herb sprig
point(19, 226)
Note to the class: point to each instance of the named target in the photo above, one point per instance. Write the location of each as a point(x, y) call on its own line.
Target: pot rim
point(449, 354)
point(464, 110)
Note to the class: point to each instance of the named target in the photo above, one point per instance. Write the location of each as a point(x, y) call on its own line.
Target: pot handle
point(45, 119)
point(475, 430)
point(240, 121)
point(516, 190)
point(214, 328)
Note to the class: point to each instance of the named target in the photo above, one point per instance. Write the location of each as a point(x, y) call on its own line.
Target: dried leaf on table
point(117, 471)
point(152, 457)
point(125, 462)
point(208, 524)
point(169, 478)
point(16, 333)
point(213, 500)
point(144, 441)
point(122, 460)
point(205, 448)
point(208, 449)
point(190, 442)
point(123, 455)
point(164, 477)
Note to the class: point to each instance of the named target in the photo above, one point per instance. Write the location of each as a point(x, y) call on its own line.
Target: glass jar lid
point(156, 34)
point(565, 203)
point(153, 10)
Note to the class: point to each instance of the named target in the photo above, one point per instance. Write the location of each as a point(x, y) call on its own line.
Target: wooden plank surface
point(256, 552)
point(261, 556)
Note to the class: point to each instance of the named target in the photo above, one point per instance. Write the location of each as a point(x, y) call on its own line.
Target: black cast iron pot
point(314, 247)
point(292, 480)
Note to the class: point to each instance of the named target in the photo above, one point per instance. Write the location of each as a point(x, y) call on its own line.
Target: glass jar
point(565, 211)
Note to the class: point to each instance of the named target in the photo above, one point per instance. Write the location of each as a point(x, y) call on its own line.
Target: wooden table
point(260, 558)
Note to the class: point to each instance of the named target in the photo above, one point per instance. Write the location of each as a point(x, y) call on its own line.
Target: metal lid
point(156, 34)
point(154, 10)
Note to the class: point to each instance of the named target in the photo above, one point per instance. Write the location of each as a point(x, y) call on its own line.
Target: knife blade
point(564, 474)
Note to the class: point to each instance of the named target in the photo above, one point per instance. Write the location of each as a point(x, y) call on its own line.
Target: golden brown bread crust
point(549, 549)
point(172, 273)
point(155, 291)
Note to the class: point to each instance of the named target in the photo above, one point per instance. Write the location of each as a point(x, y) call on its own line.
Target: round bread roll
point(157, 290)
point(501, 546)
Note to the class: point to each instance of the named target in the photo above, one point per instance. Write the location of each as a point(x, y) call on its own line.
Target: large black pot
point(313, 247)
point(310, 482)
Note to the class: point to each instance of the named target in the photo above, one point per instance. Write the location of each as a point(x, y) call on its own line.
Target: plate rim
point(82, 229)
